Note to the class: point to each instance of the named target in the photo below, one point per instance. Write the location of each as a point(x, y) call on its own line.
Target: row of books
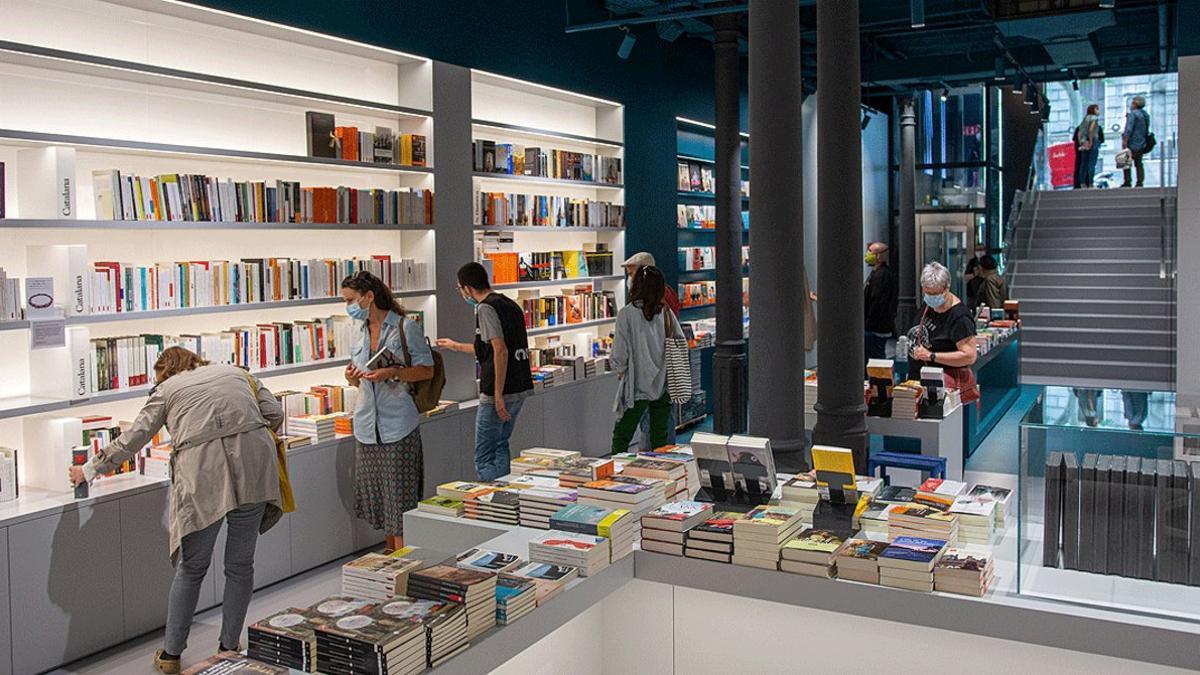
point(702, 217)
point(517, 160)
point(517, 267)
point(196, 197)
point(10, 297)
point(697, 293)
point(122, 362)
point(701, 177)
point(574, 306)
point(325, 138)
point(506, 209)
point(118, 287)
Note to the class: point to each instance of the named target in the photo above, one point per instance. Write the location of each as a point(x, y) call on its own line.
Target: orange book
point(504, 268)
point(349, 141)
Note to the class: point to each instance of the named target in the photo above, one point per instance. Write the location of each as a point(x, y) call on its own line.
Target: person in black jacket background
point(880, 297)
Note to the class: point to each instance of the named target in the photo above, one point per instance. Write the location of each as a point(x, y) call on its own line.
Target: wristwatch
point(933, 357)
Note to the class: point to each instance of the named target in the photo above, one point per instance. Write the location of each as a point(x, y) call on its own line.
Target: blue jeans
point(492, 453)
point(194, 557)
point(1087, 166)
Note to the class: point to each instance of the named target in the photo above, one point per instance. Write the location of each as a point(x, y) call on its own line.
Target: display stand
point(938, 438)
point(998, 373)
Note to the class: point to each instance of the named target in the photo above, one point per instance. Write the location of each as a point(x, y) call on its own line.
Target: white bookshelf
point(506, 110)
point(152, 87)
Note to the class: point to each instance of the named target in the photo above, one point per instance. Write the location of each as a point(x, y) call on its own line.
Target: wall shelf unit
point(34, 223)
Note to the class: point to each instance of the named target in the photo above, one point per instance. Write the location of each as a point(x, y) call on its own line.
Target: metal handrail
point(1020, 202)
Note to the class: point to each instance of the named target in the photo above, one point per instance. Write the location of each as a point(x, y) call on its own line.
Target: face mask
point(471, 301)
point(357, 311)
point(935, 301)
point(871, 259)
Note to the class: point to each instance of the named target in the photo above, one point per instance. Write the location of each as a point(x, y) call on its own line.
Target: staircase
point(1094, 271)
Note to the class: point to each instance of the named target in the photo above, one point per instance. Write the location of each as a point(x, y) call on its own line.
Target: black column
point(904, 252)
point(729, 360)
point(840, 408)
point(776, 216)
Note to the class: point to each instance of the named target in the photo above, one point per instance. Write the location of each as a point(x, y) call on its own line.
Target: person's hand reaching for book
point(353, 374)
point(380, 375)
point(76, 475)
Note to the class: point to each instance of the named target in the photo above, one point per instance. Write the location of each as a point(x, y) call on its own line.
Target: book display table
point(998, 373)
point(938, 438)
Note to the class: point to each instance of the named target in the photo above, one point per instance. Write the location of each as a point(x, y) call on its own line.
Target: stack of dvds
point(617, 525)
point(375, 576)
point(483, 560)
point(515, 597)
point(586, 552)
point(445, 625)
point(759, 536)
point(538, 504)
point(371, 641)
point(664, 530)
point(285, 639)
point(495, 504)
point(550, 580)
point(476, 590)
point(713, 539)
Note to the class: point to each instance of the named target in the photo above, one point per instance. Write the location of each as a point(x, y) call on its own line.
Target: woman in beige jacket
point(224, 467)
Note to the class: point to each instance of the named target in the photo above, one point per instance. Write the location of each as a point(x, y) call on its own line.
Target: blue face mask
point(471, 301)
point(935, 301)
point(357, 311)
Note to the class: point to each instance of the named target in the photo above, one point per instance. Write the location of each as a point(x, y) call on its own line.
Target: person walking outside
point(1135, 139)
point(879, 299)
point(639, 360)
point(1089, 145)
point(224, 469)
point(502, 348)
point(389, 465)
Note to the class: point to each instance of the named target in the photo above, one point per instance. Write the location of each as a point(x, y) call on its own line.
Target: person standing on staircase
point(1089, 145)
point(1137, 130)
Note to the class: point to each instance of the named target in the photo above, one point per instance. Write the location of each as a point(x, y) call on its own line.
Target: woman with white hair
point(945, 336)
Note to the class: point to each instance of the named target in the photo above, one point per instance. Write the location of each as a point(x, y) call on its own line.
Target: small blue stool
point(935, 466)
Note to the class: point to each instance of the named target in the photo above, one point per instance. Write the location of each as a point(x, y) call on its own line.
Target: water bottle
point(901, 359)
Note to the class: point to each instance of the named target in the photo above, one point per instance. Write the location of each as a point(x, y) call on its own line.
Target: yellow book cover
point(604, 527)
point(835, 460)
point(571, 263)
point(406, 145)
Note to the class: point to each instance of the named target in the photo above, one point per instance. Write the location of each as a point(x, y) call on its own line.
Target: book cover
point(1146, 477)
point(1052, 510)
point(545, 572)
point(46, 182)
point(1087, 505)
point(720, 524)
point(753, 463)
point(863, 549)
point(679, 511)
point(1116, 514)
point(1070, 531)
point(319, 136)
point(488, 561)
point(770, 516)
point(817, 541)
point(967, 560)
point(232, 663)
point(1133, 525)
point(571, 541)
point(895, 494)
point(913, 549)
point(1100, 517)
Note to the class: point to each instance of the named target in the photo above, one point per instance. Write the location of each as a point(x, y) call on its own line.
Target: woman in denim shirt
point(388, 465)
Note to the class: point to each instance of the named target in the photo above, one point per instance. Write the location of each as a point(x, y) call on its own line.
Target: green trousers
point(660, 419)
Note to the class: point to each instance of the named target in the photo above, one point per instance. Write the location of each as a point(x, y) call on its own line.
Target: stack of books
point(375, 576)
point(664, 530)
point(939, 493)
point(966, 571)
point(638, 495)
point(800, 491)
point(906, 398)
point(712, 539)
point(515, 597)
point(616, 525)
point(552, 453)
point(859, 560)
point(538, 504)
point(908, 562)
point(874, 521)
point(691, 468)
point(232, 663)
point(484, 560)
point(495, 504)
point(758, 537)
point(588, 553)
point(550, 580)
point(674, 473)
point(372, 641)
point(813, 552)
point(582, 470)
point(994, 494)
point(523, 465)
point(476, 590)
point(976, 520)
point(895, 494)
point(530, 479)
point(445, 506)
point(915, 520)
point(459, 489)
point(285, 639)
point(344, 425)
point(444, 623)
point(317, 427)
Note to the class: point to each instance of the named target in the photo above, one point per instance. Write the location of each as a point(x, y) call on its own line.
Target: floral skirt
point(388, 479)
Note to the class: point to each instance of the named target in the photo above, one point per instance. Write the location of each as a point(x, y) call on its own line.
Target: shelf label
point(47, 333)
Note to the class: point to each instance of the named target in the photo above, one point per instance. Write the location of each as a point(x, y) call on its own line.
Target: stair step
point(1084, 230)
point(1096, 370)
point(1039, 241)
point(1085, 279)
point(1117, 266)
point(1040, 334)
point(1089, 293)
point(1087, 253)
point(1111, 193)
point(1074, 319)
point(1099, 352)
point(1146, 308)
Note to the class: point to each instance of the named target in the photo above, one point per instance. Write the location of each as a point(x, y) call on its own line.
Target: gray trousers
point(194, 557)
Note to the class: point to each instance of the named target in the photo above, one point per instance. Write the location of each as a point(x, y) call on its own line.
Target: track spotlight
point(670, 30)
point(1075, 85)
point(1001, 65)
point(1030, 94)
point(626, 44)
point(1107, 4)
point(866, 121)
point(918, 13)
point(945, 95)
point(1018, 85)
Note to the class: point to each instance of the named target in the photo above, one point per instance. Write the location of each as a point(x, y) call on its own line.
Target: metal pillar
point(777, 360)
point(729, 360)
point(904, 254)
point(840, 408)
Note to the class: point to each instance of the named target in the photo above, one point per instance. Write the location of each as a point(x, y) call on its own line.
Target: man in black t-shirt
point(502, 348)
point(879, 300)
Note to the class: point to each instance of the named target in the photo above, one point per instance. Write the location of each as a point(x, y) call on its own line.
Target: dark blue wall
point(526, 39)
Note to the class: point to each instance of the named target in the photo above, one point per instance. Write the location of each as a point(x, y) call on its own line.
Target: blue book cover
point(915, 549)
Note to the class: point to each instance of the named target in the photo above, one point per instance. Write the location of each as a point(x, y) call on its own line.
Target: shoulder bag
point(426, 394)
point(677, 361)
point(287, 500)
